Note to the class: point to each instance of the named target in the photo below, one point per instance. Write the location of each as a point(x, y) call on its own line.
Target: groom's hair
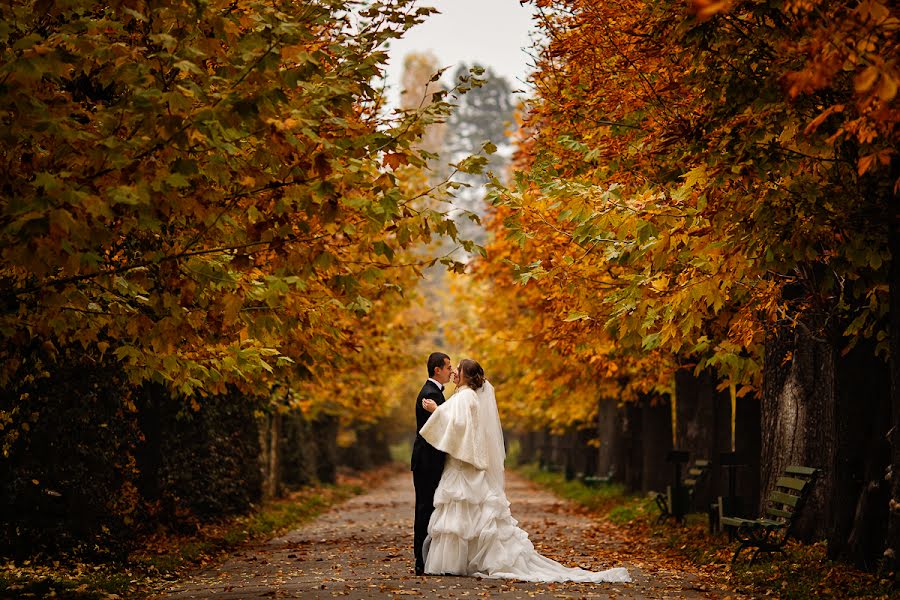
point(436, 361)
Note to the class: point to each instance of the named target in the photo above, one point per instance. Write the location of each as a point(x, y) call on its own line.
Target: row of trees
point(706, 198)
point(208, 215)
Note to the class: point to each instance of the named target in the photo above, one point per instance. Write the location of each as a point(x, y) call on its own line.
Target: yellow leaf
point(289, 52)
point(384, 181)
point(231, 307)
point(865, 163)
point(887, 88)
point(705, 9)
point(695, 176)
point(864, 80)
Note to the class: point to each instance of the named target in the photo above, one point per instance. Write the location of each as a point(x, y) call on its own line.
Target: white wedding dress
point(472, 531)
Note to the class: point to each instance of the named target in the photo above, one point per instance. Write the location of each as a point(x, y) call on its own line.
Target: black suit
point(427, 467)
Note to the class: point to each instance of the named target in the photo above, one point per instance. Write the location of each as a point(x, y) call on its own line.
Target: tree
point(210, 193)
point(692, 183)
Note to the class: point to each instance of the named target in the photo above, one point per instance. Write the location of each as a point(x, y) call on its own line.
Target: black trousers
point(425, 482)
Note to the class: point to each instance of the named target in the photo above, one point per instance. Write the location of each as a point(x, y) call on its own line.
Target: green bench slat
point(783, 498)
point(737, 522)
point(695, 472)
point(770, 523)
point(777, 512)
point(797, 470)
point(701, 463)
point(791, 482)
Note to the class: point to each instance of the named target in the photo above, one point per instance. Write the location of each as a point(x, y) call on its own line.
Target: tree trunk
point(298, 451)
point(892, 552)
point(269, 445)
point(325, 430)
point(546, 449)
point(748, 434)
point(610, 433)
point(569, 446)
point(633, 450)
point(558, 452)
point(861, 492)
point(703, 426)
point(149, 452)
point(799, 425)
point(528, 443)
point(381, 449)
point(656, 430)
point(585, 453)
point(356, 455)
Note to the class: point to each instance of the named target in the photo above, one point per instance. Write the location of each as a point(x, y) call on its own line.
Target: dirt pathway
point(363, 549)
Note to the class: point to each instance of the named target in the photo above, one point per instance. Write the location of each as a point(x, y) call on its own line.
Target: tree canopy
point(211, 193)
point(686, 179)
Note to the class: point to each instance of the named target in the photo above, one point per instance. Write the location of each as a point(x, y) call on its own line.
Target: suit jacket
point(424, 455)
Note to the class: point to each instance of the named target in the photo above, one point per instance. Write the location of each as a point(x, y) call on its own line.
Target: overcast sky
point(493, 33)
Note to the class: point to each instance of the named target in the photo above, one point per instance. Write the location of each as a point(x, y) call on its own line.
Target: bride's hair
point(472, 373)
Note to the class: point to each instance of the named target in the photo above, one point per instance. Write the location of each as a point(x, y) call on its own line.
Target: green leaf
point(577, 316)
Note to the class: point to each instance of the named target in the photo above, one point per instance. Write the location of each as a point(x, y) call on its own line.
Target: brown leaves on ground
point(690, 553)
point(167, 555)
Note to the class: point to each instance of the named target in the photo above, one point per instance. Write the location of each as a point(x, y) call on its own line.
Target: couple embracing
point(463, 525)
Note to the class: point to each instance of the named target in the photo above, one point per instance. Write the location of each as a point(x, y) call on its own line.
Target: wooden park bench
point(784, 506)
point(677, 500)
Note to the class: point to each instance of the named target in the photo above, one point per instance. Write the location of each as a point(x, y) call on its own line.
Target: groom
point(427, 461)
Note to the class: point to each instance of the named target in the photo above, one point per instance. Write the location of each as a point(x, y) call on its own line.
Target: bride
point(472, 531)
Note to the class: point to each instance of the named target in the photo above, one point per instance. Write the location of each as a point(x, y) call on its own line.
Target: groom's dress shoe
point(420, 571)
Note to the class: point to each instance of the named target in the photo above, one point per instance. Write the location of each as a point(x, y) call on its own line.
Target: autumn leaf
point(704, 9)
point(395, 160)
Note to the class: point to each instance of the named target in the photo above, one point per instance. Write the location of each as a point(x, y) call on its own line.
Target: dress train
point(472, 532)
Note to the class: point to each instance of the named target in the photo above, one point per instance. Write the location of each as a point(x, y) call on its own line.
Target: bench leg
point(737, 553)
point(663, 505)
point(754, 555)
point(767, 550)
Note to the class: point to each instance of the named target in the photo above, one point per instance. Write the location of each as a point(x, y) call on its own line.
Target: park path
point(362, 549)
